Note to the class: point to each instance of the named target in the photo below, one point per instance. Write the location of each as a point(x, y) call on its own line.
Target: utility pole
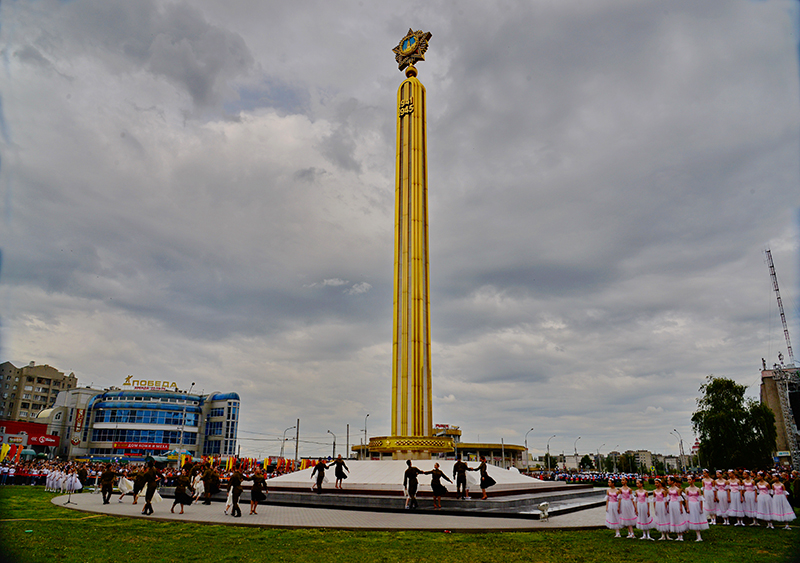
point(297, 445)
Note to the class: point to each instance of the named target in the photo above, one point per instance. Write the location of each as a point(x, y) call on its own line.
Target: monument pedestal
point(410, 447)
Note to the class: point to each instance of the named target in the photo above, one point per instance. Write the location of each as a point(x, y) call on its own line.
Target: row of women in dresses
point(673, 509)
point(63, 481)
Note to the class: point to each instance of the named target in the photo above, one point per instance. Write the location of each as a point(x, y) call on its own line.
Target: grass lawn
point(32, 529)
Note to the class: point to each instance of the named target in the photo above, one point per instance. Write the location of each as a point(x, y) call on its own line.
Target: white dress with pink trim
point(661, 514)
point(697, 518)
point(677, 516)
point(736, 508)
point(644, 520)
point(781, 509)
point(764, 502)
point(750, 507)
point(709, 504)
point(612, 516)
point(722, 497)
point(627, 512)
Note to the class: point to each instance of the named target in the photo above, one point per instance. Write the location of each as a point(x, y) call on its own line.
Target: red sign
point(44, 440)
point(140, 446)
point(79, 413)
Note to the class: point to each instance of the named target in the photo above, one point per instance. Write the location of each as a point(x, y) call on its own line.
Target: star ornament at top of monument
point(411, 49)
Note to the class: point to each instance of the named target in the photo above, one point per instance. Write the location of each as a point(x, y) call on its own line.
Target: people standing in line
point(182, 483)
point(319, 470)
point(677, 514)
point(486, 479)
point(750, 505)
point(709, 504)
point(258, 493)
point(660, 500)
point(644, 518)
point(410, 484)
point(696, 519)
point(781, 509)
point(460, 475)
point(612, 509)
point(764, 500)
point(722, 497)
point(107, 483)
point(627, 508)
point(339, 471)
point(151, 478)
point(736, 488)
point(438, 489)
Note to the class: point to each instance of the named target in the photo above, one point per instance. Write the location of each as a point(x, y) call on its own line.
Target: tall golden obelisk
point(412, 396)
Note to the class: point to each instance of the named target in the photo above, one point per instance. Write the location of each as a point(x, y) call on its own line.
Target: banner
point(79, 414)
point(140, 446)
point(4, 449)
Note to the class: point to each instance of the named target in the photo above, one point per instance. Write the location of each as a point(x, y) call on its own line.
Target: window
point(26, 395)
point(24, 405)
point(23, 414)
point(29, 388)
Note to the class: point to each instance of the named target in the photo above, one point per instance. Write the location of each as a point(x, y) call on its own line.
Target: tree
point(586, 462)
point(733, 431)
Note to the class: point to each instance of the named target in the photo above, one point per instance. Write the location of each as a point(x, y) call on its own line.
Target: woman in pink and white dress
point(781, 509)
point(627, 508)
point(764, 500)
point(709, 504)
point(722, 497)
point(736, 507)
point(644, 520)
point(660, 500)
point(749, 503)
point(612, 508)
point(678, 522)
point(694, 508)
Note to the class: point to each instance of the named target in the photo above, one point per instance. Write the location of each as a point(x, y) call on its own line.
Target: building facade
point(144, 420)
point(26, 391)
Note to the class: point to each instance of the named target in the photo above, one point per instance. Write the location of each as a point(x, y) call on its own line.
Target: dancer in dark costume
point(259, 491)
point(460, 475)
point(438, 489)
point(486, 480)
point(319, 469)
point(410, 484)
point(182, 483)
point(340, 469)
point(151, 477)
point(107, 483)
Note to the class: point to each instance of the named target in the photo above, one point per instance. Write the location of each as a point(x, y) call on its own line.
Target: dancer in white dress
point(677, 514)
point(644, 518)
point(660, 500)
point(781, 509)
point(722, 496)
point(125, 486)
point(764, 501)
point(694, 509)
point(612, 508)
point(736, 508)
point(749, 504)
point(709, 502)
point(627, 508)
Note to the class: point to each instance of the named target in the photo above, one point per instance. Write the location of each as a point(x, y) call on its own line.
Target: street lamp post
point(283, 442)
point(366, 439)
point(527, 455)
point(575, 450)
point(680, 448)
point(615, 458)
point(334, 443)
point(548, 451)
point(183, 423)
point(597, 463)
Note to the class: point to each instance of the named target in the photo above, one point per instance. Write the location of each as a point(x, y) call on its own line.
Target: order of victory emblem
point(411, 48)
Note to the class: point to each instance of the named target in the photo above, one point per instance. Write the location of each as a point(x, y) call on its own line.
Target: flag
point(4, 449)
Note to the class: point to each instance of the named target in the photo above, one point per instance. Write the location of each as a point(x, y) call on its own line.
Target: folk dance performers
point(182, 483)
point(660, 500)
point(339, 471)
point(709, 495)
point(410, 484)
point(612, 509)
point(749, 498)
point(736, 508)
point(319, 469)
point(151, 478)
point(627, 508)
point(259, 491)
point(486, 480)
point(73, 482)
point(438, 489)
point(764, 501)
point(460, 475)
point(781, 509)
point(235, 486)
point(677, 515)
point(694, 508)
point(644, 519)
point(722, 496)
point(107, 479)
point(139, 482)
point(198, 486)
point(125, 486)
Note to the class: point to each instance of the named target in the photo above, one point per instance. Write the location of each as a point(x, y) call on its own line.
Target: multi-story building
point(26, 391)
point(143, 418)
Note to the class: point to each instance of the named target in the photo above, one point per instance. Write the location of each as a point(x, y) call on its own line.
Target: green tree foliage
point(586, 462)
point(733, 431)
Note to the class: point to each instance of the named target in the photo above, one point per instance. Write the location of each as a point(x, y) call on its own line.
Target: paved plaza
point(302, 517)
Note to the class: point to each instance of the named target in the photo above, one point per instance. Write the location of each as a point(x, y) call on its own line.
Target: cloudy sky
point(203, 192)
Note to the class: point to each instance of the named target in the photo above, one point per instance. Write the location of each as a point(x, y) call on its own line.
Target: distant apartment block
point(26, 391)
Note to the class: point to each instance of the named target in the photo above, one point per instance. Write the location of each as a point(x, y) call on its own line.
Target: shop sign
point(79, 414)
point(15, 439)
point(150, 384)
point(139, 446)
point(44, 440)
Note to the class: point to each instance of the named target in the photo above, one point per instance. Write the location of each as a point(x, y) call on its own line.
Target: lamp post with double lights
point(548, 451)
point(597, 463)
point(183, 421)
point(680, 448)
point(334, 443)
point(527, 455)
point(283, 442)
